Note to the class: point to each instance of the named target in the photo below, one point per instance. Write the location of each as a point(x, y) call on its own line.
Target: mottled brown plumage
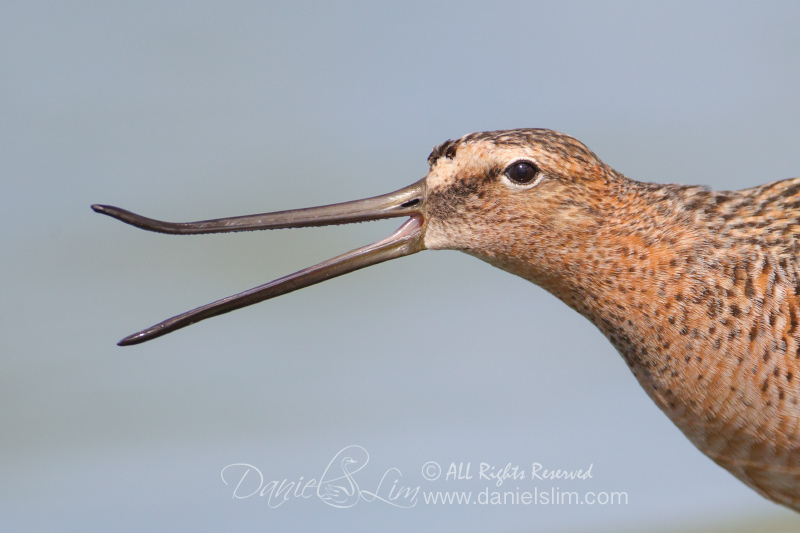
point(698, 290)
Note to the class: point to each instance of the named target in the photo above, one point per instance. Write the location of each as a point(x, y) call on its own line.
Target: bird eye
point(522, 173)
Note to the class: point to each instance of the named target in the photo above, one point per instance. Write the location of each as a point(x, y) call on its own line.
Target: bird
point(698, 290)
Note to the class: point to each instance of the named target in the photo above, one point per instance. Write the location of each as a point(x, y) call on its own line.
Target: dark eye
point(522, 172)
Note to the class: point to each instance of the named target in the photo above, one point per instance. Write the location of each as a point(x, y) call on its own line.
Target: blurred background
point(195, 110)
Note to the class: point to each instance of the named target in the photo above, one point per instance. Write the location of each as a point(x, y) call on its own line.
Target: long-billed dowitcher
point(698, 290)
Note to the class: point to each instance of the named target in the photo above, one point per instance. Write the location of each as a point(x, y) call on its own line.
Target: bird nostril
point(410, 203)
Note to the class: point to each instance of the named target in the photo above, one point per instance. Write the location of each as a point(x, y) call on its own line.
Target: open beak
point(407, 240)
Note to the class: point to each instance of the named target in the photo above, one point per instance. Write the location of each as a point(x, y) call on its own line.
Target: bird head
point(515, 198)
point(509, 197)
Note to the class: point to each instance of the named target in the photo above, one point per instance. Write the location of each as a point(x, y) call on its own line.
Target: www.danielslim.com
point(343, 483)
point(553, 496)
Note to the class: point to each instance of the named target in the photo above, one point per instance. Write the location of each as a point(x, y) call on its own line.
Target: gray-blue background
point(191, 110)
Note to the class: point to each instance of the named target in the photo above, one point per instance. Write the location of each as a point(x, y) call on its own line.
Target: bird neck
point(636, 265)
point(703, 311)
